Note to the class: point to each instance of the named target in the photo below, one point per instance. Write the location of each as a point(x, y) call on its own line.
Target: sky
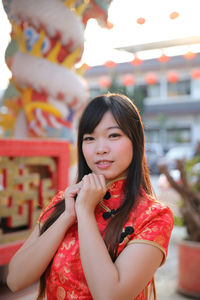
point(100, 43)
point(126, 31)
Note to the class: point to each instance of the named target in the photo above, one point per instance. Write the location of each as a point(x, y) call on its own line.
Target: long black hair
point(128, 118)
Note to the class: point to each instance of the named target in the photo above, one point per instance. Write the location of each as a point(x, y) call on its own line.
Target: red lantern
point(86, 67)
point(136, 61)
point(174, 15)
point(195, 74)
point(151, 78)
point(109, 25)
point(128, 80)
point(189, 55)
point(110, 64)
point(105, 81)
point(141, 21)
point(172, 76)
point(163, 58)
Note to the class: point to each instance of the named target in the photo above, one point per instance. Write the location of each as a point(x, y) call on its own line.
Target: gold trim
point(153, 244)
point(150, 290)
point(114, 180)
point(146, 292)
point(104, 206)
point(107, 187)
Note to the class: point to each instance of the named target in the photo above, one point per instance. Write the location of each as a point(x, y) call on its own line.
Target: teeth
point(103, 162)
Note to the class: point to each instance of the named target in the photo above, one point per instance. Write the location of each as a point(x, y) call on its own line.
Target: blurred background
point(146, 49)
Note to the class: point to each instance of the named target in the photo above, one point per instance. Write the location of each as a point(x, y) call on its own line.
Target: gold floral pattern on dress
point(48, 210)
point(60, 294)
point(68, 245)
point(62, 277)
point(72, 295)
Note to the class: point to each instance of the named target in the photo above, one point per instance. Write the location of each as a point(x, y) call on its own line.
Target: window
point(141, 89)
point(153, 90)
point(152, 135)
point(195, 87)
point(94, 91)
point(179, 135)
point(179, 88)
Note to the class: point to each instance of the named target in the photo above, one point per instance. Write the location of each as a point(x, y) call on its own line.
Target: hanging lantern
point(110, 64)
point(189, 55)
point(109, 25)
point(151, 78)
point(163, 58)
point(172, 76)
point(136, 61)
point(86, 67)
point(128, 80)
point(141, 21)
point(174, 15)
point(195, 74)
point(105, 82)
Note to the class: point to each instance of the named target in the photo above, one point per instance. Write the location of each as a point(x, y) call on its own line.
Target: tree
point(135, 93)
point(189, 190)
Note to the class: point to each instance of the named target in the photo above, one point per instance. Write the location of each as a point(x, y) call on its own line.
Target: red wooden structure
point(58, 150)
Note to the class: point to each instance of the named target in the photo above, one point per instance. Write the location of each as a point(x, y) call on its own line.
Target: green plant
point(135, 93)
point(178, 221)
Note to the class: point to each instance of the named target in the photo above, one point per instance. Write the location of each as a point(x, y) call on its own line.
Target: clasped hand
point(88, 193)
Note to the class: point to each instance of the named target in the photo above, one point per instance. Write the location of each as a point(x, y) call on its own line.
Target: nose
point(102, 147)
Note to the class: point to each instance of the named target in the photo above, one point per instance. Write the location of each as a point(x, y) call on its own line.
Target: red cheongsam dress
point(151, 220)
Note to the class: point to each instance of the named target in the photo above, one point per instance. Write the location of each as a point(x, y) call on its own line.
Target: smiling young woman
point(105, 236)
point(108, 150)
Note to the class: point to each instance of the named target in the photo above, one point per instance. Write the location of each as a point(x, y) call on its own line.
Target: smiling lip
point(103, 164)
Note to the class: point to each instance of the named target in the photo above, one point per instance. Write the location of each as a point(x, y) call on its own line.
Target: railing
point(170, 100)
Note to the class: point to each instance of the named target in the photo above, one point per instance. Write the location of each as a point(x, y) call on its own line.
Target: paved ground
point(166, 276)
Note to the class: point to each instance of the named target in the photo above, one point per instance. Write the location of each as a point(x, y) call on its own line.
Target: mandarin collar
point(115, 182)
point(114, 194)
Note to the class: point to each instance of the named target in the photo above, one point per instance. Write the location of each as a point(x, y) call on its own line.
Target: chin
point(107, 175)
point(110, 177)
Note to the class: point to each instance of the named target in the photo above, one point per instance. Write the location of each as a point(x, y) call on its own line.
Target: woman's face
point(107, 150)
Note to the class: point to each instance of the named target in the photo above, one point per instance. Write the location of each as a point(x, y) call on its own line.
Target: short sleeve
point(154, 227)
point(50, 207)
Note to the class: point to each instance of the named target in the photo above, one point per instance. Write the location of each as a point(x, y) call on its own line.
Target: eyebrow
point(113, 127)
point(108, 128)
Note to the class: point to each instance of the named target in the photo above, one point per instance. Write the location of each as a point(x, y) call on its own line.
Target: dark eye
point(88, 138)
point(114, 135)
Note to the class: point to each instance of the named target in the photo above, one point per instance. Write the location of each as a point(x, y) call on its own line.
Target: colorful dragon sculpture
point(47, 90)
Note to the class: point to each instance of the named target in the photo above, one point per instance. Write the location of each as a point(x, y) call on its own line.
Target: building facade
point(171, 92)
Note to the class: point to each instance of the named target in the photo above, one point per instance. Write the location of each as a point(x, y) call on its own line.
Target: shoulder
point(153, 223)
point(50, 206)
point(57, 198)
point(149, 210)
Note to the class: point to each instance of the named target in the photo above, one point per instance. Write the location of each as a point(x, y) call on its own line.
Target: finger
point(79, 184)
point(97, 181)
point(102, 181)
point(72, 190)
point(93, 182)
point(85, 181)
